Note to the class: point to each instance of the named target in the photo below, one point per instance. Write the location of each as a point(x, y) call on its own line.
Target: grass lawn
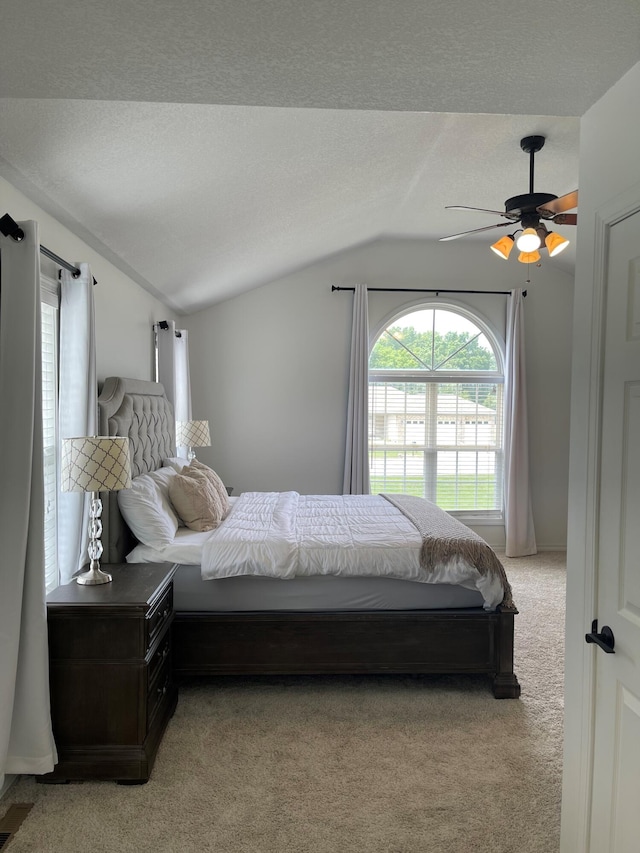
point(466, 492)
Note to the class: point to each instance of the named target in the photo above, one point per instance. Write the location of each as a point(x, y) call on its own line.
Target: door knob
point(604, 639)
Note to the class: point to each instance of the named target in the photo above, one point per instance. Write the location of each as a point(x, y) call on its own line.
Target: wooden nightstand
point(110, 673)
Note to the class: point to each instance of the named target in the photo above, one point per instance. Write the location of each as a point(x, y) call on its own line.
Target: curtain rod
point(10, 228)
point(432, 290)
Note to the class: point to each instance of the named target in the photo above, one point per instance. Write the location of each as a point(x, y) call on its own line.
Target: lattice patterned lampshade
point(193, 434)
point(95, 464)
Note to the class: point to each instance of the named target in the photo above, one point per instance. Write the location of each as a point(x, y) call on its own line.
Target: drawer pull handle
point(162, 690)
point(164, 651)
point(159, 618)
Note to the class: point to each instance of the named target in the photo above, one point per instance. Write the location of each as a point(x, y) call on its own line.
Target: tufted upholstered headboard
point(140, 411)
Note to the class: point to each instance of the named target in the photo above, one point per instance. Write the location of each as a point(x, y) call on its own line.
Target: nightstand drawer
point(159, 617)
point(159, 688)
point(160, 656)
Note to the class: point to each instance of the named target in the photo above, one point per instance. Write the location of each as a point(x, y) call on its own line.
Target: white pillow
point(162, 477)
point(147, 509)
point(176, 463)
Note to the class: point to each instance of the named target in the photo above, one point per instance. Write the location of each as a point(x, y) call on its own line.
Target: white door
point(615, 795)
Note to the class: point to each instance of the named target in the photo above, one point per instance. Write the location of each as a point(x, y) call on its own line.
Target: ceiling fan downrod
point(523, 205)
point(531, 145)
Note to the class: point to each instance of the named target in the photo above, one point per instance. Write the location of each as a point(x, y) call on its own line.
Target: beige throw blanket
point(444, 537)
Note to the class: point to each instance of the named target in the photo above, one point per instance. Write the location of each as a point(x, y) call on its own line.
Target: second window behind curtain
point(173, 371)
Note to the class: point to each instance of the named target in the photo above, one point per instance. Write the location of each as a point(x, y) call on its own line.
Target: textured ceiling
point(209, 146)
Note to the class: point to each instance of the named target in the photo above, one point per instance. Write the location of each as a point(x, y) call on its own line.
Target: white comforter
point(284, 534)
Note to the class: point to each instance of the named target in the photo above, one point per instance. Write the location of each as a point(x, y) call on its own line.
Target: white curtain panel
point(519, 531)
point(356, 463)
point(173, 371)
point(182, 402)
point(26, 738)
point(78, 407)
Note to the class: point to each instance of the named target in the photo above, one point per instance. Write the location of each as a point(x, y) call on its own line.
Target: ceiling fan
point(529, 211)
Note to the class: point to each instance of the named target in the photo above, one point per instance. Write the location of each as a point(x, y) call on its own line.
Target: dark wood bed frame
point(465, 641)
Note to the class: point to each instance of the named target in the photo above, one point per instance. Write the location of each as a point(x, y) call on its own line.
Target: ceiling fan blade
point(475, 231)
point(481, 209)
point(565, 219)
point(559, 205)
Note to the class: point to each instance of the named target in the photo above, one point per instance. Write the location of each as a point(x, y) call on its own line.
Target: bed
point(327, 624)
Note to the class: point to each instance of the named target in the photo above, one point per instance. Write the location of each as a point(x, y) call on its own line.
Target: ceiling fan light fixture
point(527, 210)
point(503, 246)
point(529, 257)
point(528, 241)
point(555, 243)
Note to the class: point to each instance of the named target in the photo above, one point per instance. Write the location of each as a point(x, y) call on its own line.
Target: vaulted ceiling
point(209, 146)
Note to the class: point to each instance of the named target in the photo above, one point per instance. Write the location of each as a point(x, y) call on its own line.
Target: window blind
point(49, 326)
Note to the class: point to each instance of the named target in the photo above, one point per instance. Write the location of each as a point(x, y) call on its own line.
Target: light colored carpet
point(342, 765)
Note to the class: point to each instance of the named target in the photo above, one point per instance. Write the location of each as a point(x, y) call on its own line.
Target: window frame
point(50, 295)
point(437, 377)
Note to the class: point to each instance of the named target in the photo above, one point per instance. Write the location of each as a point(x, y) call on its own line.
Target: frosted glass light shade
point(529, 257)
point(555, 243)
point(529, 240)
point(503, 246)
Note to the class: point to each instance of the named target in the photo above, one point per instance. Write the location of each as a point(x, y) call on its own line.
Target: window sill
point(471, 518)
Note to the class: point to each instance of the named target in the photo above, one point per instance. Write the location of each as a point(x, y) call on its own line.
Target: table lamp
point(95, 464)
point(192, 434)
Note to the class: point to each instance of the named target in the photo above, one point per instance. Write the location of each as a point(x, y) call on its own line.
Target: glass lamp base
point(94, 576)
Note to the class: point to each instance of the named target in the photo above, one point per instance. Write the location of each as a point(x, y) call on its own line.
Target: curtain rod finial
point(10, 228)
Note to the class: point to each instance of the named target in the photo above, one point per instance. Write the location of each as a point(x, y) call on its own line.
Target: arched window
point(435, 410)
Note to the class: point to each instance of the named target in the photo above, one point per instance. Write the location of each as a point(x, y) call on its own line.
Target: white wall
point(269, 368)
point(125, 312)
